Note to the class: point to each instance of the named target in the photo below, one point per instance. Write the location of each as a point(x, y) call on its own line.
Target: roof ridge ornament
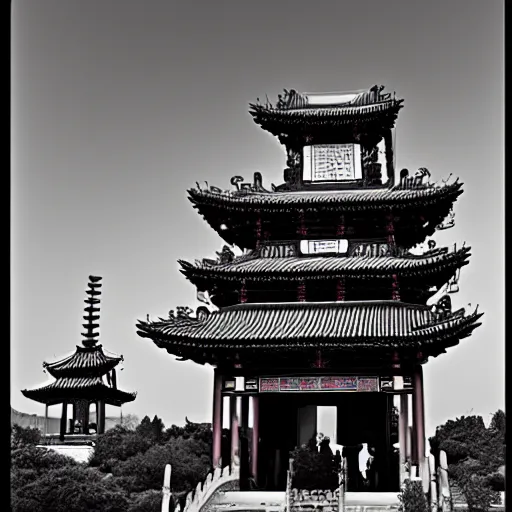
point(91, 337)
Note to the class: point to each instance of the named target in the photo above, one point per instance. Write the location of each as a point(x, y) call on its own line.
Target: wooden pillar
point(217, 418)
point(45, 430)
point(255, 436)
point(86, 417)
point(73, 419)
point(418, 415)
point(244, 443)
point(243, 293)
point(235, 452)
point(340, 289)
point(301, 228)
point(63, 420)
point(340, 230)
point(301, 291)
point(100, 416)
point(403, 427)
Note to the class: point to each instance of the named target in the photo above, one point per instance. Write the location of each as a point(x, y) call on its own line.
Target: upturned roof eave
point(76, 364)
point(324, 267)
point(239, 332)
point(52, 394)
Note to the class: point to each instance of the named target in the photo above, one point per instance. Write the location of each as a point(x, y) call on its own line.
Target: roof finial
point(92, 312)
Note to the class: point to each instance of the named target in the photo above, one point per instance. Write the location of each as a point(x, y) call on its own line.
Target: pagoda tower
point(86, 377)
point(327, 305)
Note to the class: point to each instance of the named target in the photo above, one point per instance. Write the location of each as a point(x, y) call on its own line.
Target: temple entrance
point(289, 420)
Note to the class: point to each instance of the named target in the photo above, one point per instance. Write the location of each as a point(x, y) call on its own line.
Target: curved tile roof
point(325, 267)
point(84, 361)
point(67, 388)
point(352, 199)
point(336, 325)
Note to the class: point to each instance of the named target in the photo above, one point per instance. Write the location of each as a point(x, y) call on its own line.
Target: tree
point(118, 444)
point(498, 423)
point(145, 429)
point(157, 429)
point(190, 460)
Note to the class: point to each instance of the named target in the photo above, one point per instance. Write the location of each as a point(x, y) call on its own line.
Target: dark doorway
point(361, 418)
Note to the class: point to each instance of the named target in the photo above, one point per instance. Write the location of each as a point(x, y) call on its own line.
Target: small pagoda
point(338, 298)
point(86, 377)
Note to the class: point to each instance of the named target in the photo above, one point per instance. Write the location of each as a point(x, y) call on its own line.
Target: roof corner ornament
point(448, 222)
point(443, 307)
point(226, 255)
point(92, 312)
point(420, 178)
point(453, 284)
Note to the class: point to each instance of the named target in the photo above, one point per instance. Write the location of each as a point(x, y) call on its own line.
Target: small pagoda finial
point(92, 312)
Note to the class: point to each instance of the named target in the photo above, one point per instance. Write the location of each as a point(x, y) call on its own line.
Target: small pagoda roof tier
point(361, 326)
point(252, 266)
point(304, 114)
point(84, 361)
point(76, 388)
point(242, 216)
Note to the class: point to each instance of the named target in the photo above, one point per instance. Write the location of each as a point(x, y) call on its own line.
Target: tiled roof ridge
point(242, 265)
point(84, 360)
point(304, 197)
point(81, 384)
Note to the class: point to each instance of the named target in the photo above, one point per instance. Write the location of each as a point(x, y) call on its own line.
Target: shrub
point(412, 498)
point(479, 496)
point(21, 436)
point(148, 501)
point(39, 459)
point(69, 489)
point(117, 444)
point(313, 470)
point(495, 481)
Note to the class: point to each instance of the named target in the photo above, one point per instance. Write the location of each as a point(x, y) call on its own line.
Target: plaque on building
point(324, 383)
point(339, 246)
point(332, 162)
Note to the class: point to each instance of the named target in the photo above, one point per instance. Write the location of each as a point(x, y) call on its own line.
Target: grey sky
point(119, 106)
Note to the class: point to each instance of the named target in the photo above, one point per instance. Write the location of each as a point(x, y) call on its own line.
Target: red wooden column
point(235, 452)
point(301, 228)
point(217, 418)
point(255, 436)
point(418, 415)
point(340, 289)
point(301, 292)
point(243, 293)
point(244, 443)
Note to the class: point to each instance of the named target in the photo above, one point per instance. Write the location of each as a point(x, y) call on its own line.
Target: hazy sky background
point(119, 106)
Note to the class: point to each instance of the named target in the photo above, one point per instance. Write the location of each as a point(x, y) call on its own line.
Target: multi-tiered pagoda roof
point(327, 263)
point(88, 373)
